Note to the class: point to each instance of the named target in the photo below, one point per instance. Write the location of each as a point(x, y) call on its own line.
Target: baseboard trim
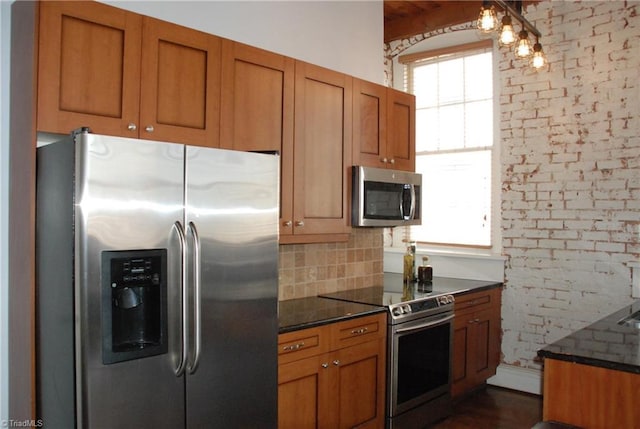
point(517, 378)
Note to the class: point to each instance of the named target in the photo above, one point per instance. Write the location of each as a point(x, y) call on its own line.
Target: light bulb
point(507, 33)
point(538, 59)
point(523, 46)
point(488, 20)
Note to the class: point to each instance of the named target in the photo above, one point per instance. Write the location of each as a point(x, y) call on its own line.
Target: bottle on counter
point(409, 263)
point(425, 271)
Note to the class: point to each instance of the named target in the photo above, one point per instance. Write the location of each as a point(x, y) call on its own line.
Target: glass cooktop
point(386, 295)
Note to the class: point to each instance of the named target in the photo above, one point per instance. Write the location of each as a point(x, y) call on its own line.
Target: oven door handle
point(425, 325)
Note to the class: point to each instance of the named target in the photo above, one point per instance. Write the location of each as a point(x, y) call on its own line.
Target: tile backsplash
point(311, 269)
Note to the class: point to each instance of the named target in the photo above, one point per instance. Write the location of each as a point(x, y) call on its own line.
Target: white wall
point(4, 205)
point(346, 36)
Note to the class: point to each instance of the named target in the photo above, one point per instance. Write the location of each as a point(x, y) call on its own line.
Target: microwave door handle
point(413, 202)
point(402, 200)
point(412, 208)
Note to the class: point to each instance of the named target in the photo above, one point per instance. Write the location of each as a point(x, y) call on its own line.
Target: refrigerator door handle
point(183, 286)
point(197, 333)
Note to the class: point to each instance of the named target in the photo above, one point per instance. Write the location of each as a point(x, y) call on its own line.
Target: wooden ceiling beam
point(448, 13)
point(407, 18)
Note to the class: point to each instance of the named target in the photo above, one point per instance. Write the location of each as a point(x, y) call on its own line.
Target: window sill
point(451, 264)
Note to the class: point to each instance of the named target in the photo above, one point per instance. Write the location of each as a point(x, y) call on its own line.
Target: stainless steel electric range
point(419, 349)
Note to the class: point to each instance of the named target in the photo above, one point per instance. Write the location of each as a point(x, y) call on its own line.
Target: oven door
point(419, 361)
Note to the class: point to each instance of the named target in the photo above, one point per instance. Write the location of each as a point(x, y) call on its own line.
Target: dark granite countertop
point(304, 313)
point(294, 314)
point(604, 343)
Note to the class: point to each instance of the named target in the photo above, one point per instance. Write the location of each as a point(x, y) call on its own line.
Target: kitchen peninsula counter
point(592, 376)
point(604, 344)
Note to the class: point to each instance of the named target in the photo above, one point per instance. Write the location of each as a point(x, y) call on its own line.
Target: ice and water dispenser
point(134, 304)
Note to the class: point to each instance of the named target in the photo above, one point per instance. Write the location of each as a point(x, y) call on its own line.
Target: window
point(454, 143)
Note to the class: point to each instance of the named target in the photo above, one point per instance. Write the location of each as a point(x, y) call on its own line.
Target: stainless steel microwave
point(382, 197)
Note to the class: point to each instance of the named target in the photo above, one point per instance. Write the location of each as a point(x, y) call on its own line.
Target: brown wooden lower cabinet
point(342, 387)
point(589, 396)
point(476, 339)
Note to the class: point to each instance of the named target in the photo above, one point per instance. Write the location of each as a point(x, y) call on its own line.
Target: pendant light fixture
point(487, 24)
point(523, 45)
point(488, 20)
point(507, 33)
point(538, 59)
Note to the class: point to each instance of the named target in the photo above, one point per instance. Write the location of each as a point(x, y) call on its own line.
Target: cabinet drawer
point(477, 301)
point(359, 330)
point(301, 344)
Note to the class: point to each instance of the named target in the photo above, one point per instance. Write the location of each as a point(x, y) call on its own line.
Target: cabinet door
point(303, 393)
point(401, 130)
point(369, 124)
point(486, 348)
point(180, 89)
point(89, 68)
point(476, 340)
point(360, 386)
point(257, 99)
point(322, 150)
point(461, 334)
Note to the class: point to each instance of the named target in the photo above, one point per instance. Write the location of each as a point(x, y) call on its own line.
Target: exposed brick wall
point(570, 173)
point(311, 269)
point(570, 156)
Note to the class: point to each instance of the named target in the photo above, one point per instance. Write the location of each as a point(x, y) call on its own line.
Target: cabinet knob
point(149, 128)
point(132, 126)
point(384, 160)
point(392, 161)
point(299, 223)
point(336, 362)
point(286, 223)
point(325, 365)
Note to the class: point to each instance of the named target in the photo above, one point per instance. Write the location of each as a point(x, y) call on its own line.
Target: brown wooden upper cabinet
point(384, 127)
point(316, 174)
point(257, 99)
point(123, 74)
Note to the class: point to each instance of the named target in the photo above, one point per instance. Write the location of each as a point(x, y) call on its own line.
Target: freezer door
point(129, 193)
point(232, 214)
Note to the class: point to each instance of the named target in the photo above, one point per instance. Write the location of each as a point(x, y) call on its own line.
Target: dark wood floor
point(495, 408)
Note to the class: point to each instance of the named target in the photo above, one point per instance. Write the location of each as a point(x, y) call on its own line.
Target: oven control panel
point(433, 304)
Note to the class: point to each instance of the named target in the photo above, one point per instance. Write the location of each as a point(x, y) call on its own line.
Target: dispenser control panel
point(135, 271)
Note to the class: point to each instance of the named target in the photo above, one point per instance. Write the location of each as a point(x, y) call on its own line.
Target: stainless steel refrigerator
point(157, 274)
